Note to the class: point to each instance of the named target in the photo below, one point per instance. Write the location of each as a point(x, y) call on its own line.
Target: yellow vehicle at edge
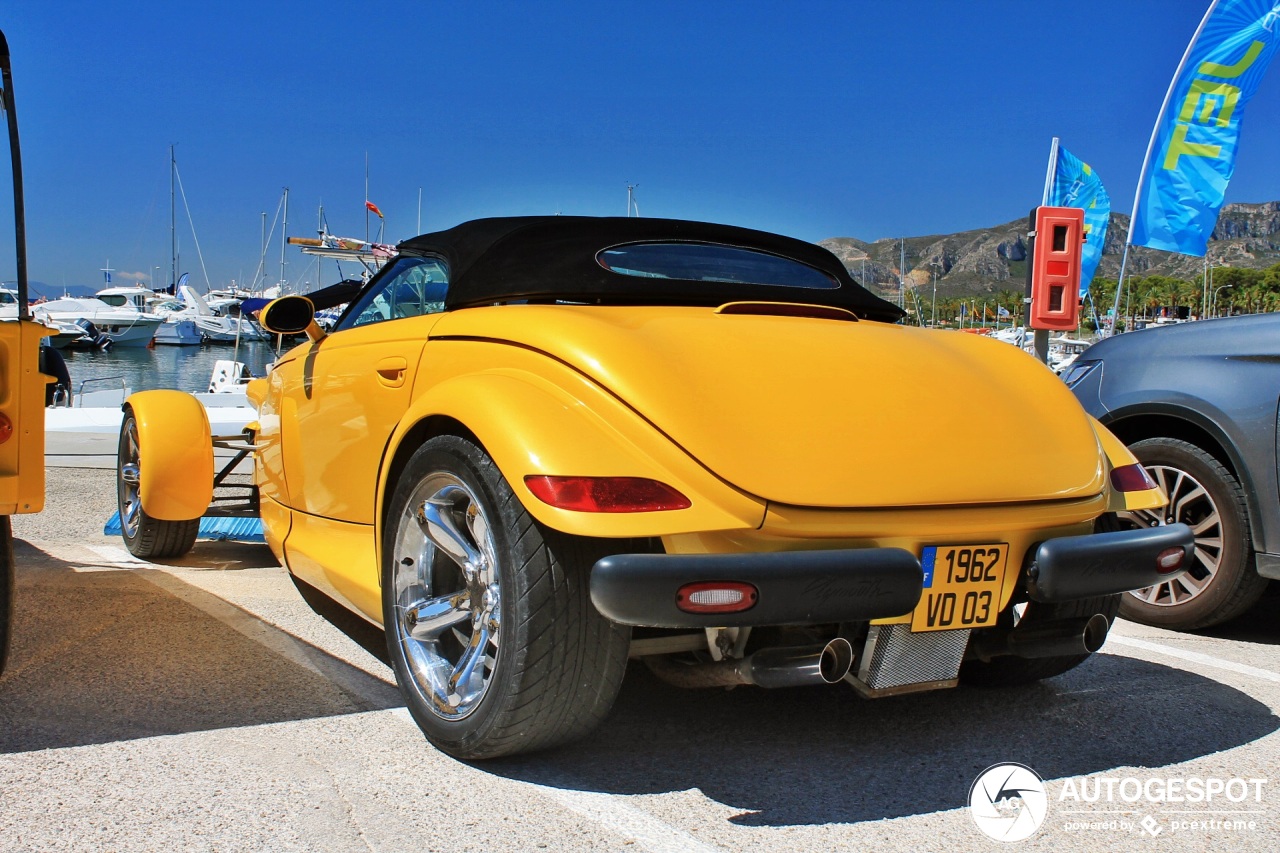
point(22, 389)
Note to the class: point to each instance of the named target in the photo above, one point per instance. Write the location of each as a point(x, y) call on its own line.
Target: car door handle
point(391, 371)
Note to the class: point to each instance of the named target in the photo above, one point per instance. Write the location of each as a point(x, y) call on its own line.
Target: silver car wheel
point(129, 479)
point(1191, 504)
point(447, 596)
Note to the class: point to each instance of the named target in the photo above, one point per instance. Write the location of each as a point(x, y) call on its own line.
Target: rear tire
point(1010, 670)
point(489, 622)
point(145, 536)
point(1206, 496)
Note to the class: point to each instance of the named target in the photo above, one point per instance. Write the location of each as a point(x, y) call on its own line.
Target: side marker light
point(1170, 560)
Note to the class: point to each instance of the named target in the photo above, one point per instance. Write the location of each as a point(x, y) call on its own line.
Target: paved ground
point(204, 705)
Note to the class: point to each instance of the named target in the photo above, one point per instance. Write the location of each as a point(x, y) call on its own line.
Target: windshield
point(408, 287)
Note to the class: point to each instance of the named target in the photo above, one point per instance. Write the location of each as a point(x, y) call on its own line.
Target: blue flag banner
point(1193, 147)
point(1074, 184)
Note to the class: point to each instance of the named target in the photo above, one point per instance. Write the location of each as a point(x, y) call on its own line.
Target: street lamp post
point(933, 315)
point(1213, 306)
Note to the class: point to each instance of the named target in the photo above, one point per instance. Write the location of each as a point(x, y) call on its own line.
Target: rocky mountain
point(989, 260)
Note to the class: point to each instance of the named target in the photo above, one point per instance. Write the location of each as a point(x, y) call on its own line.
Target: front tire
point(490, 627)
point(144, 536)
point(1222, 582)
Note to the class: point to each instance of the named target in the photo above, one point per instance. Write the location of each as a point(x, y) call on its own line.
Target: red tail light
point(1131, 478)
point(606, 494)
point(6, 428)
point(716, 597)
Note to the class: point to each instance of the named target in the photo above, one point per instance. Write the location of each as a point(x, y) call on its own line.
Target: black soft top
point(543, 258)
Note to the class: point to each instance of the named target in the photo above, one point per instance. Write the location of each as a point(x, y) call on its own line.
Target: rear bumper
point(795, 587)
point(858, 585)
point(1104, 563)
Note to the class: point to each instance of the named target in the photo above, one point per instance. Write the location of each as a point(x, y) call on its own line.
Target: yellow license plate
point(961, 587)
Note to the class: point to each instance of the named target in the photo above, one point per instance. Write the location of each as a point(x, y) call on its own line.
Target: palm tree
point(1151, 298)
point(1196, 293)
point(1183, 292)
point(1251, 294)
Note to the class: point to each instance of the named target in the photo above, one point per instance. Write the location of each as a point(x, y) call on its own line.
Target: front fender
point(534, 415)
point(175, 454)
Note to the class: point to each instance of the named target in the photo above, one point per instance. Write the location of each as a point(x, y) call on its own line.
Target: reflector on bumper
point(716, 597)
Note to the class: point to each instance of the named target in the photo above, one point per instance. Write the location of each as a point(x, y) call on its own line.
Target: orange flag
point(374, 208)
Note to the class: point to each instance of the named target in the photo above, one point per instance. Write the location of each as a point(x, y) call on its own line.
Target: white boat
point(8, 303)
point(1063, 349)
point(174, 329)
point(123, 325)
point(85, 434)
point(133, 296)
point(60, 336)
point(180, 333)
point(219, 328)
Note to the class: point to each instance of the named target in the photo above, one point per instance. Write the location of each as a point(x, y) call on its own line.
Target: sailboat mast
point(262, 258)
point(173, 230)
point(902, 273)
point(284, 230)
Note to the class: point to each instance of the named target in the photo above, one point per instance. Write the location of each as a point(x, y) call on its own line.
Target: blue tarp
point(219, 528)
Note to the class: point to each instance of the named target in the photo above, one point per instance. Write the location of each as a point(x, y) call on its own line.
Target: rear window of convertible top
point(712, 262)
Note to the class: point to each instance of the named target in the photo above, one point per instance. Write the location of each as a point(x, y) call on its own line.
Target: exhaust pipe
point(791, 666)
point(1059, 638)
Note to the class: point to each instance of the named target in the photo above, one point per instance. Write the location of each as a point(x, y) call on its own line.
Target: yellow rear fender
point(175, 454)
point(1118, 456)
point(535, 416)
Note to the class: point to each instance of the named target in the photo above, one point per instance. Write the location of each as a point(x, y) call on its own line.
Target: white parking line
point(627, 821)
point(115, 556)
point(613, 813)
point(1196, 657)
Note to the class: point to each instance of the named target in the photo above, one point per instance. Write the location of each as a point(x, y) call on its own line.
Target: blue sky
point(814, 119)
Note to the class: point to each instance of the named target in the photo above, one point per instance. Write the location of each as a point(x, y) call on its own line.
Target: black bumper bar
point(1075, 567)
point(857, 585)
point(795, 587)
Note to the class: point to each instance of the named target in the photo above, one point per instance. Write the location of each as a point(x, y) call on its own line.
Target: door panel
point(341, 403)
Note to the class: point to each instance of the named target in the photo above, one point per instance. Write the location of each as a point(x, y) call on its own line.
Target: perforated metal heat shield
point(893, 657)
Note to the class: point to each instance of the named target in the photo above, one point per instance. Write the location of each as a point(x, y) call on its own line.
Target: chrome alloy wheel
point(447, 595)
point(129, 480)
point(1191, 504)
